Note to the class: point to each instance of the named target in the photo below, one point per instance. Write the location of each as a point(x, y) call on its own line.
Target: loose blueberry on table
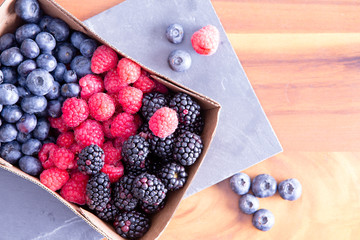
point(263, 185)
point(263, 219)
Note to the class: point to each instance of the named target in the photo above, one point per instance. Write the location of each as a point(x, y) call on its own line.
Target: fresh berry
point(240, 183)
point(163, 122)
point(10, 152)
point(59, 71)
point(290, 189)
point(7, 41)
point(160, 88)
point(10, 74)
point(65, 139)
point(81, 65)
point(114, 172)
point(45, 41)
point(76, 38)
point(130, 99)
point(70, 90)
point(88, 47)
point(31, 147)
point(131, 225)
point(22, 91)
point(29, 48)
point(112, 154)
point(11, 113)
point(26, 67)
point(75, 111)
point(175, 33)
point(103, 59)
point(173, 176)
point(39, 82)
point(122, 195)
point(28, 10)
point(89, 132)
point(59, 29)
point(109, 213)
point(65, 52)
point(46, 62)
point(156, 164)
point(106, 127)
point(75, 148)
point(179, 60)
point(187, 148)
point(54, 178)
point(23, 137)
point(90, 84)
point(42, 129)
point(135, 151)
point(8, 94)
point(44, 155)
point(8, 133)
point(151, 209)
point(263, 220)
point(137, 170)
point(195, 127)
point(54, 108)
point(263, 185)
point(144, 83)
point(149, 189)
point(248, 204)
point(123, 125)
point(74, 190)
point(91, 159)
point(151, 102)
point(44, 22)
point(70, 76)
point(59, 124)
point(29, 30)
point(206, 40)
point(101, 106)
point(187, 108)
point(63, 158)
point(128, 71)
point(162, 147)
point(33, 104)
point(112, 81)
point(30, 165)
point(98, 191)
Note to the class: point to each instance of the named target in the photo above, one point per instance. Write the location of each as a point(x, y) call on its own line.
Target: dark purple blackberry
point(149, 189)
point(173, 175)
point(156, 164)
point(187, 148)
point(151, 209)
point(196, 127)
point(152, 102)
point(109, 213)
point(98, 191)
point(135, 170)
point(131, 225)
point(91, 159)
point(162, 147)
point(135, 151)
point(187, 108)
point(123, 197)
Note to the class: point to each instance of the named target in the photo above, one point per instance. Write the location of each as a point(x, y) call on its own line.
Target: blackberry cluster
point(173, 175)
point(122, 194)
point(196, 127)
point(131, 225)
point(188, 109)
point(162, 147)
point(149, 189)
point(109, 213)
point(135, 151)
point(152, 102)
point(91, 159)
point(187, 149)
point(98, 191)
point(151, 209)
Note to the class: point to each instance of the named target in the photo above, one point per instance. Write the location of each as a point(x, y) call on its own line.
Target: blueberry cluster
point(262, 186)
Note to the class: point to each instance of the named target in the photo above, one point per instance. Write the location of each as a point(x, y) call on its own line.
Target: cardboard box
point(9, 22)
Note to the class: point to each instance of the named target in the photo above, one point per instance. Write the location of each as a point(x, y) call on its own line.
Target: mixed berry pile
point(91, 124)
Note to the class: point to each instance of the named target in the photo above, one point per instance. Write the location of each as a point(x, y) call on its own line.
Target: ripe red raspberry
point(90, 84)
point(89, 132)
point(112, 82)
point(130, 99)
point(75, 148)
point(59, 124)
point(144, 83)
point(112, 154)
point(161, 88)
point(74, 190)
point(114, 173)
point(65, 139)
point(54, 178)
point(75, 111)
point(123, 126)
point(118, 142)
point(44, 155)
point(206, 40)
point(164, 122)
point(128, 71)
point(62, 158)
point(103, 59)
point(138, 121)
point(106, 127)
point(101, 106)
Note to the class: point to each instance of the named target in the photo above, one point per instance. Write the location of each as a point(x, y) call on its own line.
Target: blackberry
point(187, 108)
point(135, 170)
point(91, 159)
point(196, 127)
point(135, 151)
point(131, 225)
point(161, 147)
point(152, 102)
point(151, 209)
point(123, 197)
point(109, 213)
point(149, 189)
point(173, 175)
point(187, 148)
point(156, 164)
point(98, 191)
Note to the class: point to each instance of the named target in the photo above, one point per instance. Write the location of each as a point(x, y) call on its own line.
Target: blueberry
point(46, 61)
point(290, 189)
point(10, 152)
point(54, 108)
point(240, 183)
point(81, 65)
point(42, 114)
point(263, 185)
point(44, 22)
point(29, 48)
point(54, 92)
point(23, 92)
point(70, 76)
point(179, 60)
point(8, 94)
point(59, 29)
point(21, 81)
point(11, 113)
point(248, 204)
point(69, 90)
point(7, 41)
point(29, 30)
point(27, 123)
point(263, 219)
point(28, 10)
point(31, 147)
point(65, 52)
point(59, 71)
point(88, 47)
point(30, 165)
point(8, 132)
point(11, 57)
point(41, 131)
point(10, 75)
point(76, 39)
point(33, 104)
point(1, 76)
point(175, 33)
point(26, 67)
point(39, 82)
point(23, 137)
point(45, 41)
point(1, 108)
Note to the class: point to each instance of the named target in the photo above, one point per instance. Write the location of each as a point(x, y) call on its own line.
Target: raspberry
point(115, 97)
point(112, 154)
point(74, 190)
point(128, 71)
point(65, 139)
point(114, 173)
point(59, 124)
point(90, 84)
point(164, 122)
point(161, 88)
point(144, 83)
point(63, 158)
point(103, 59)
point(130, 99)
point(112, 82)
point(75, 111)
point(138, 121)
point(118, 142)
point(106, 127)
point(44, 155)
point(89, 132)
point(54, 178)
point(123, 125)
point(101, 106)
point(206, 40)
point(75, 148)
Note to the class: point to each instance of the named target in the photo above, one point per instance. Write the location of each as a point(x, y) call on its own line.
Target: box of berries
point(107, 137)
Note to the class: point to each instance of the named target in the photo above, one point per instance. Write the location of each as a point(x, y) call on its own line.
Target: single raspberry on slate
point(59, 124)
point(123, 125)
point(103, 59)
point(75, 111)
point(128, 71)
point(112, 154)
point(164, 122)
point(114, 173)
point(74, 190)
point(101, 106)
point(130, 99)
point(63, 158)
point(90, 84)
point(54, 178)
point(75, 148)
point(112, 82)
point(106, 127)
point(161, 88)
point(144, 83)
point(65, 139)
point(206, 40)
point(89, 132)
point(44, 155)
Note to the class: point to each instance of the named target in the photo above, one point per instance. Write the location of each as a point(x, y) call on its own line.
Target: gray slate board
point(244, 136)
